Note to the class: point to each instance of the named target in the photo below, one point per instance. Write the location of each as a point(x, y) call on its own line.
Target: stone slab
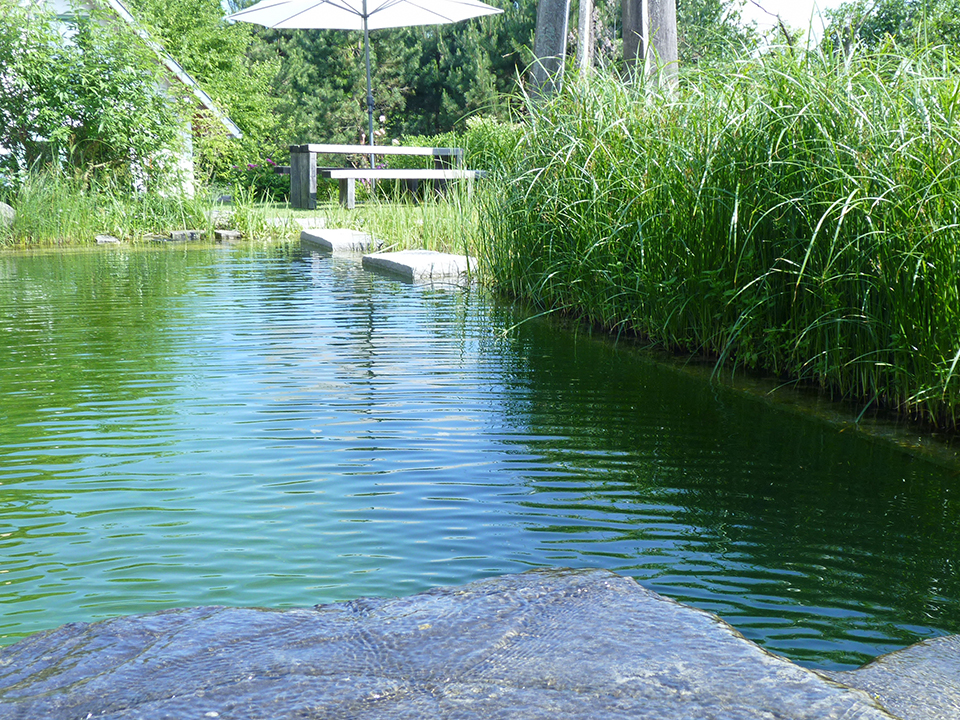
point(420, 265)
point(557, 645)
point(921, 682)
point(227, 235)
point(339, 240)
point(186, 235)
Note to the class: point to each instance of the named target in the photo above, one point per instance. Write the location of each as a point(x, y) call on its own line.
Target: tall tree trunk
point(585, 31)
point(650, 37)
point(550, 46)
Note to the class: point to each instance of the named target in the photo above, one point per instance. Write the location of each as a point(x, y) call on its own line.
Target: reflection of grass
point(53, 209)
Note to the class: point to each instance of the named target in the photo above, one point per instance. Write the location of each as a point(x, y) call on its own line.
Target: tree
point(426, 79)
point(87, 94)
point(710, 31)
point(231, 64)
point(906, 22)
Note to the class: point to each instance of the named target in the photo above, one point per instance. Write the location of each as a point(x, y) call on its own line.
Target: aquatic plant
point(55, 207)
point(795, 212)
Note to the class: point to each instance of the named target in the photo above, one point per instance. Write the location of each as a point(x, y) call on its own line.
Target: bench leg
point(303, 178)
point(348, 193)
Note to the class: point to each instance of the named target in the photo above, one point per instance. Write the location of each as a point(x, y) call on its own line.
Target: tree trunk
point(585, 31)
point(549, 46)
point(650, 37)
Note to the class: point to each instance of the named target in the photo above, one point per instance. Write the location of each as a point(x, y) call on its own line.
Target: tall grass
point(55, 208)
point(797, 213)
point(446, 223)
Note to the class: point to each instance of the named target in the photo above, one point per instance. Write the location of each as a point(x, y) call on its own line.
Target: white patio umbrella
point(363, 15)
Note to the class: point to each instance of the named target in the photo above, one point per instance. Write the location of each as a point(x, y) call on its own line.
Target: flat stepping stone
point(548, 644)
point(339, 240)
point(420, 265)
point(227, 235)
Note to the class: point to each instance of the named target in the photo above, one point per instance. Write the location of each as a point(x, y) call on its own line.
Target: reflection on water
point(249, 426)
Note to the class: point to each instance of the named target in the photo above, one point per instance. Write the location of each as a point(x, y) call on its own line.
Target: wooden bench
point(448, 165)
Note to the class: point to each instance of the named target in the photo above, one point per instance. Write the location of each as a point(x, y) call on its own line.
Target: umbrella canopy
point(363, 15)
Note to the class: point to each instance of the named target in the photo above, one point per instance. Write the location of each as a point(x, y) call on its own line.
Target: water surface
point(258, 426)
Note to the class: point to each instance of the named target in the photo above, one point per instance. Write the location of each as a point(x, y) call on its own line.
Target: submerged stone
point(186, 235)
point(544, 644)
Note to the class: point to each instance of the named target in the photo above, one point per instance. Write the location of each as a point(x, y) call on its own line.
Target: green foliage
point(86, 94)
point(492, 145)
point(56, 207)
point(233, 67)
point(911, 23)
point(711, 31)
point(795, 213)
point(259, 180)
point(427, 80)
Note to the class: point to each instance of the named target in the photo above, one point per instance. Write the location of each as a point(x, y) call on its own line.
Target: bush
point(85, 96)
point(260, 180)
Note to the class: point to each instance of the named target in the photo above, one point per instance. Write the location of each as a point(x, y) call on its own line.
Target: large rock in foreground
point(550, 645)
point(921, 682)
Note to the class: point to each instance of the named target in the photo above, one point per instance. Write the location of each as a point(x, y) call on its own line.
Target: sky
point(795, 13)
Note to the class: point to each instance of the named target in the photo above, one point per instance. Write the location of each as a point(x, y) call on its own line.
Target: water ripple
point(257, 426)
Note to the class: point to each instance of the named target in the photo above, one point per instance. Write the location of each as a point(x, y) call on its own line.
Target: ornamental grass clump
point(796, 213)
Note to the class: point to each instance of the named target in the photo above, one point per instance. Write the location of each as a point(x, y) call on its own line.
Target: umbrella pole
point(366, 52)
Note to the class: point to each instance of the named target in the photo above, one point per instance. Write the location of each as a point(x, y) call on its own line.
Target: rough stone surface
point(7, 215)
point(554, 645)
point(107, 240)
point(186, 235)
point(921, 682)
point(420, 265)
point(227, 235)
point(339, 240)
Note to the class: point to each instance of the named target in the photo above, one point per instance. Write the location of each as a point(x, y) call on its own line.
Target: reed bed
point(55, 208)
point(796, 213)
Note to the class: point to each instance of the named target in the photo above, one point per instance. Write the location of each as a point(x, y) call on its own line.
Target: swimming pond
point(264, 426)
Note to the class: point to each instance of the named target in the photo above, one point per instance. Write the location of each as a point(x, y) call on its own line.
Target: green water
point(259, 426)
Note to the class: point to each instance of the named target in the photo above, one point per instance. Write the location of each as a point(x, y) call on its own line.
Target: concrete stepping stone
point(420, 265)
point(339, 240)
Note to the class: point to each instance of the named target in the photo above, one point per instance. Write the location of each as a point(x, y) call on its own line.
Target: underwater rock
point(545, 644)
